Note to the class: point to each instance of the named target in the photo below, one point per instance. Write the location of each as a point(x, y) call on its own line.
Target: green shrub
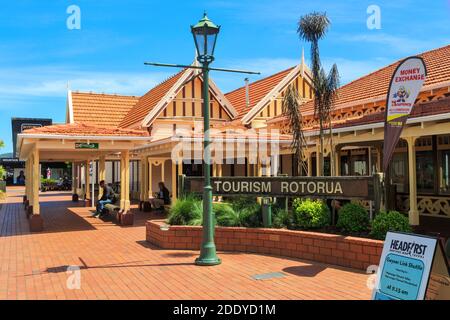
point(225, 215)
point(310, 214)
point(239, 203)
point(197, 216)
point(46, 181)
point(249, 216)
point(2, 195)
point(353, 218)
point(185, 210)
point(281, 218)
point(2, 173)
point(389, 221)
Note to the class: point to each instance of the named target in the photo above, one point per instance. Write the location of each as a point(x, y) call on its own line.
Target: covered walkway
point(116, 263)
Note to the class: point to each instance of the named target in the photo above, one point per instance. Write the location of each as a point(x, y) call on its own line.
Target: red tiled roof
point(82, 129)
point(376, 83)
point(105, 110)
point(148, 101)
point(257, 91)
point(420, 110)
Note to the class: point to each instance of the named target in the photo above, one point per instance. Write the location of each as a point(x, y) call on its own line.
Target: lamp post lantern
point(205, 35)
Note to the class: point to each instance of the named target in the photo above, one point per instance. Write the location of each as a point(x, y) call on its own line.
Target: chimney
point(247, 92)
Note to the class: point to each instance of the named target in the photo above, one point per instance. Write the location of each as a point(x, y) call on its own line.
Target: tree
point(311, 28)
point(291, 110)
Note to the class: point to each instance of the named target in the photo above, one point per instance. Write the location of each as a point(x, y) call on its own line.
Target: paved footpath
point(117, 263)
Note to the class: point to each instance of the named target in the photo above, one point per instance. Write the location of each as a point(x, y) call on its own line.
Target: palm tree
point(291, 110)
point(327, 94)
point(313, 27)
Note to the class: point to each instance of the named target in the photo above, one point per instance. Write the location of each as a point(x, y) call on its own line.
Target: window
point(425, 172)
point(359, 165)
point(399, 171)
point(445, 172)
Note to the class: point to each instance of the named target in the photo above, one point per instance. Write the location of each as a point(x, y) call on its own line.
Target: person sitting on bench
point(162, 197)
point(107, 197)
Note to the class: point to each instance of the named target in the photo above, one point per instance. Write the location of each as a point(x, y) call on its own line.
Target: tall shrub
point(310, 214)
point(389, 221)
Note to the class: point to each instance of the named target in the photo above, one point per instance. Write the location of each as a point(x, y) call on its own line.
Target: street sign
point(412, 267)
point(358, 187)
point(82, 145)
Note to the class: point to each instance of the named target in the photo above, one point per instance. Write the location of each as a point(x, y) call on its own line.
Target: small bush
point(225, 215)
point(310, 214)
point(197, 214)
point(389, 221)
point(353, 218)
point(281, 218)
point(2, 195)
point(239, 203)
point(185, 210)
point(249, 216)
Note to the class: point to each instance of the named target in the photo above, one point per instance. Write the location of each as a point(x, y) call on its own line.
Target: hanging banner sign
point(404, 88)
point(407, 263)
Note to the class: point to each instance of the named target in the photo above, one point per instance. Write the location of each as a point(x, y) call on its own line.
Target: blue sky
point(39, 55)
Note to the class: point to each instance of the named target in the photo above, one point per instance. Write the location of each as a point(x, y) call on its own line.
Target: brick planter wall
point(350, 252)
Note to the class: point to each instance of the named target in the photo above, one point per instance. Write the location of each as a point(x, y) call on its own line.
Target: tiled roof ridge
point(105, 94)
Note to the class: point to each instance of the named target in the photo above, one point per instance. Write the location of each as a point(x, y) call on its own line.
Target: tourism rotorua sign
point(360, 187)
point(412, 267)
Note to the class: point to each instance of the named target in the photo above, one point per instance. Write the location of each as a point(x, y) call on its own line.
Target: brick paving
point(117, 263)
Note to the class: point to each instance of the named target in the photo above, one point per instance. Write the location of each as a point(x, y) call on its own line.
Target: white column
point(413, 211)
point(36, 181)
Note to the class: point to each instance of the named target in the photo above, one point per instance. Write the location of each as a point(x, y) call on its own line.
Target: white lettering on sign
point(302, 187)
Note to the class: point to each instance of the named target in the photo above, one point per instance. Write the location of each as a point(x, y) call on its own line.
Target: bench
point(123, 218)
point(111, 208)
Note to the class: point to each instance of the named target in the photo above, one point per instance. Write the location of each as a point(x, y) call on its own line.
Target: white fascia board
point(222, 99)
point(271, 95)
point(168, 97)
point(435, 117)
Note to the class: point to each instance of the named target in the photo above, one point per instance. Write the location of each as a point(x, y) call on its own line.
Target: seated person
point(107, 197)
point(162, 197)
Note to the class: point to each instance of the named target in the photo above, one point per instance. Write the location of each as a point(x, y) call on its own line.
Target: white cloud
point(401, 45)
point(50, 81)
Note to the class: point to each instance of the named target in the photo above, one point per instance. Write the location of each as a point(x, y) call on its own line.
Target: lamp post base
point(208, 261)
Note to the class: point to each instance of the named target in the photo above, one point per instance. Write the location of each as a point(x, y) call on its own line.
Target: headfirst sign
point(412, 267)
